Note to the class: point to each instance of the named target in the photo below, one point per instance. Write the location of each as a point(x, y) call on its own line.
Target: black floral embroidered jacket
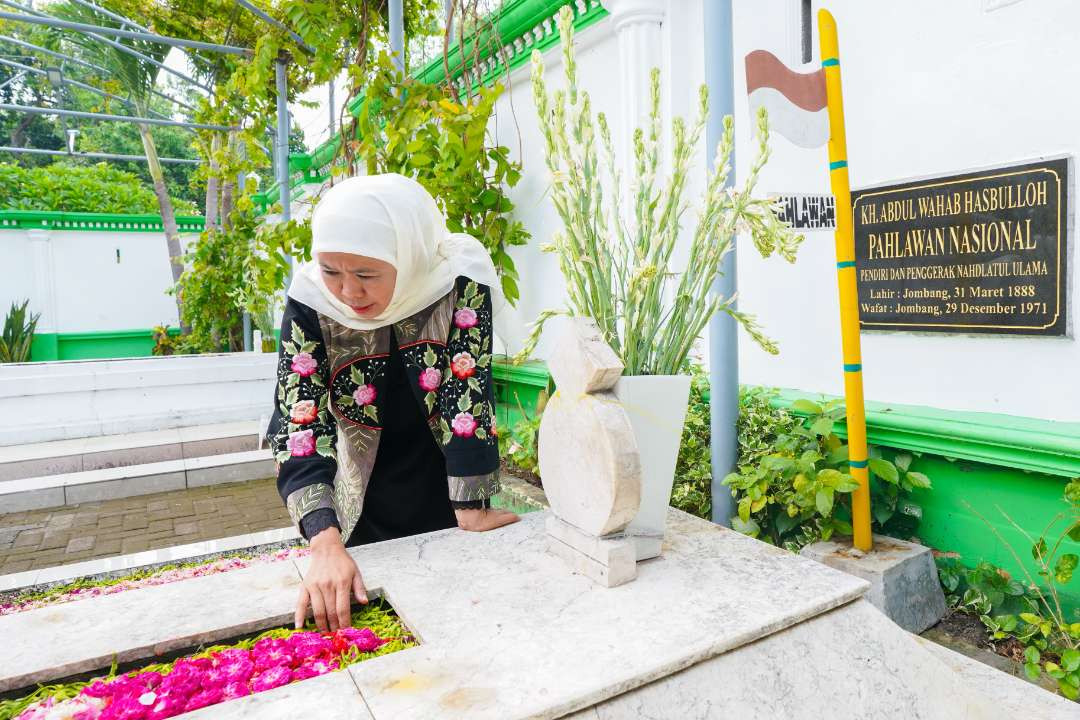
point(325, 428)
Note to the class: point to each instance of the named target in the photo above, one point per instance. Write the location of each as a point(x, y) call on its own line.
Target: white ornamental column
point(638, 30)
point(44, 298)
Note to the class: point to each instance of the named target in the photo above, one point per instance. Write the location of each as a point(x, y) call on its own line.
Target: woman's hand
point(333, 575)
point(482, 519)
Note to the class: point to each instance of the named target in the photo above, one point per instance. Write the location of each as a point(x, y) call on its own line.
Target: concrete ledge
point(1014, 697)
point(118, 482)
point(118, 565)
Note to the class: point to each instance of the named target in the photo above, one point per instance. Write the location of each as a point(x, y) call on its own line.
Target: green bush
point(793, 482)
point(692, 491)
point(79, 188)
point(518, 444)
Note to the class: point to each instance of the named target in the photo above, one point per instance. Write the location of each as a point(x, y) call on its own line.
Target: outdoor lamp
point(71, 133)
point(55, 76)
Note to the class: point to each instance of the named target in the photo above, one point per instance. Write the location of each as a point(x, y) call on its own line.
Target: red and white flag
point(796, 102)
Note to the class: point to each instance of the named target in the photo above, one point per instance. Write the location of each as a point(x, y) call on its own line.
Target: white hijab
point(394, 219)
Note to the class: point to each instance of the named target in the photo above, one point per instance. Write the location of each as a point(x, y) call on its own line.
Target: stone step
point(58, 457)
point(72, 488)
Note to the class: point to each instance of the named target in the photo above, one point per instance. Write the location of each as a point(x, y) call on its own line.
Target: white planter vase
point(656, 405)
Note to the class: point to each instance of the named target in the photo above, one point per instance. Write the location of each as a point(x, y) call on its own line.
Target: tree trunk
point(18, 135)
point(168, 217)
point(212, 184)
point(226, 204)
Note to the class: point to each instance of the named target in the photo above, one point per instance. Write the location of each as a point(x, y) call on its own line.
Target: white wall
point(91, 290)
point(930, 88)
point(46, 401)
point(515, 125)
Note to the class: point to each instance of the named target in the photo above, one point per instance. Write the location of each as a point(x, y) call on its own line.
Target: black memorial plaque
point(981, 252)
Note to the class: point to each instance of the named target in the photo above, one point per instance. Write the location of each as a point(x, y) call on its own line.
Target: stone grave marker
point(589, 459)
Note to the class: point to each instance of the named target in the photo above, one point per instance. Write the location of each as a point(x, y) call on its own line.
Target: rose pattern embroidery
point(303, 412)
point(464, 425)
point(465, 396)
point(355, 390)
point(430, 379)
point(306, 427)
point(466, 318)
point(364, 395)
point(301, 443)
point(463, 365)
point(304, 364)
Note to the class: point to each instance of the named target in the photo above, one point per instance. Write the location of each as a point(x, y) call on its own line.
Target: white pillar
point(44, 298)
point(638, 30)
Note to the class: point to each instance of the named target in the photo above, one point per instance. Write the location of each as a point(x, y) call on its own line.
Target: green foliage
point(620, 267)
point(1031, 612)
point(793, 481)
point(518, 445)
point(692, 491)
point(69, 187)
point(215, 273)
point(123, 139)
point(788, 496)
point(983, 589)
point(18, 334)
point(416, 129)
point(166, 341)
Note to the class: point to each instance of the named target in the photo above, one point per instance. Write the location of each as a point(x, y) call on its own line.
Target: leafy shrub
point(417, 129)
point(79, 188)
point(210, 286)
point(793, 482)
point(518, 446)
point(1031, 611)
point(166, 341)
point(18, 334)
point(692, 491)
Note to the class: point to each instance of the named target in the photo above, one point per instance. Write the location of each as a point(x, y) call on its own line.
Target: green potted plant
point(19, 326)
point(619, 264)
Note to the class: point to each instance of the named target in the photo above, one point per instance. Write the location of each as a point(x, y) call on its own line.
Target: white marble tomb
point(720, 625)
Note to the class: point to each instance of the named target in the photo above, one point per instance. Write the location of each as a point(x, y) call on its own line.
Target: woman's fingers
point(301, 608)
point(344, 614)
point(359, 589)
point(483, 520)
point(499, 518)
point(318, 609)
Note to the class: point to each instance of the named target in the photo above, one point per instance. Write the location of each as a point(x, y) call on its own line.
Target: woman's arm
point(470, 436)
point(303, 437)
point(302, 433)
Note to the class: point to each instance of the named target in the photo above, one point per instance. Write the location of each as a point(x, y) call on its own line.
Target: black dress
point(406, 494)
point(407, 491)
point(414, 416)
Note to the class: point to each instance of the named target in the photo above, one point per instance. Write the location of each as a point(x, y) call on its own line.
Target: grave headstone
point(589, 458)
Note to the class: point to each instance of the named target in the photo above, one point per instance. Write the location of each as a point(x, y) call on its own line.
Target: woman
point(384, 420)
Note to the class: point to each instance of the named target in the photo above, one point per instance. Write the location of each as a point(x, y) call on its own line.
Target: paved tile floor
point(58, 536)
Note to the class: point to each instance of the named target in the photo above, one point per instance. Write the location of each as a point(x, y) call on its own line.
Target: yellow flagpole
point(849, 297)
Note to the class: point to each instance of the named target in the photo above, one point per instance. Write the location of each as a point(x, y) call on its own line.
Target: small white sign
point(806, 212)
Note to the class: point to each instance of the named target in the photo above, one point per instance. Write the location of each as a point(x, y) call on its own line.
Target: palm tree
point(136, 79)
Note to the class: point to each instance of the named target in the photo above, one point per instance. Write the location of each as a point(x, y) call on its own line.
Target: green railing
point(105, 222)
point(505, 43)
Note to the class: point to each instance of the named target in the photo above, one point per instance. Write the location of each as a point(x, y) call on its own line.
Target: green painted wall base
point(969, 508)
point(517, 388)
point(93, 345)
